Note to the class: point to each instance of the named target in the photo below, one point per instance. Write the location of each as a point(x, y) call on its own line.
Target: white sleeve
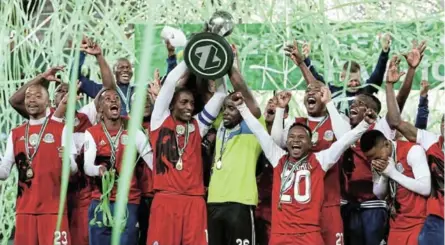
point(278, 132)
point(339, 124)
point(90, 155)
point(211, 110)
point(57, 119)
point(383, 126)
point(271, 150)
point(327, 158)
point(144, 148)
point(8, 159)
point(72, 150)
point(421, 184)
point(90, 110)
point(426, 139)
point(380, 186)
point(79, 139)
point(161, 107)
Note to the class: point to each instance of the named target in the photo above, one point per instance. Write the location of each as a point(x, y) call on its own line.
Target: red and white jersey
point(166, 177)
point(41, 194)
point(144, 173)
point(98, 152)
point(302, 197)
point(410, 207)
point(326, 137)
point(299, 189)
point(434, 147)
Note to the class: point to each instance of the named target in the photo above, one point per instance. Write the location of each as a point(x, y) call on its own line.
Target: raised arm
point(376, 79)
point(161, 107)
point(278, 132)
point(339, 123)
point(330, 156)
point(211, 110)
point(393, 75)
point(422, 109)
point(17, 100)
point(293, 52)
point(421, 183)
point(239, 85)
point(413, 59)
point(144, 148)
point(271, 150)
point(8, 159)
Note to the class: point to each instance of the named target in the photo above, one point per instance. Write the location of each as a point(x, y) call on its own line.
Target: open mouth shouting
point(114, 110)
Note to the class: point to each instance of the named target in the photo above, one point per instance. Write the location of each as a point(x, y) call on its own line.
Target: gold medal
point(33, 139)
point(218, 164)
point(191, 128)
point(180, 129)
point(29, 173)
point(179, 164)
point(314, 138)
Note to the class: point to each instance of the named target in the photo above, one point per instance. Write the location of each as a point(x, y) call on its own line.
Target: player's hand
point(50, 74)
point(90, 47)
point(424, 88)
point(326, 95)
point(102, 170)
point(155, 86)
point(294, 53)
point(78, 96)
point(393, 74)
point(237, 98)
point(236, 63)
point(414, 56)
point(379, 165)
point(306, 49)
point(385, 41)
point(370, 116)
point(60, 149)
point(283, 98)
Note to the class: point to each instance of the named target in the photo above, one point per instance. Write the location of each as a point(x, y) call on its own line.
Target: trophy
point(208, 55)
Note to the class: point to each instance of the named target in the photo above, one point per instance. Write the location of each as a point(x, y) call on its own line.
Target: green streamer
point(137, 109)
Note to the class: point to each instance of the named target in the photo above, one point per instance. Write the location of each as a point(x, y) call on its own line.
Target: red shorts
point(408, 237)
point(331, 225)
point(79, 226)
point(177, 220)
point(32, 229)
point(311, 238)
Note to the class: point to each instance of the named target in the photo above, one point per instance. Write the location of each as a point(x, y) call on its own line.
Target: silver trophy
point(221, 23)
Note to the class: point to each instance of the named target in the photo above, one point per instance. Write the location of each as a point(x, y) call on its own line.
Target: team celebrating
point(212, 168)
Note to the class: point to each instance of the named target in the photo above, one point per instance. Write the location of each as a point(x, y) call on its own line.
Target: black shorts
point(231, 223)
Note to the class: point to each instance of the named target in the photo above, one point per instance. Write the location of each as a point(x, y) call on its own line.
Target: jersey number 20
point(303, 199)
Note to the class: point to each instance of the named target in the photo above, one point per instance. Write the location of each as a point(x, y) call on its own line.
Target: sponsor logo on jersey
point(328, 135)
point(49, 138)
point(399, 167)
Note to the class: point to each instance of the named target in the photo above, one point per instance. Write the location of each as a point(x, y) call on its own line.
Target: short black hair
point(375, 104)
point(370, 139)
point(101, 92)
point(179, 91)
point(354, 67)
point(297, 124)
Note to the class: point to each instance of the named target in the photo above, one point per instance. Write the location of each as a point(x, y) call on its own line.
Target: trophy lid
point(221, 23)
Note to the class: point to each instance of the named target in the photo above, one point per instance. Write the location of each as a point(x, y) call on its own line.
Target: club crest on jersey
point(399, 167)
point(49, 138)
point(328, 135)
point(156, 243)
point(124, 139)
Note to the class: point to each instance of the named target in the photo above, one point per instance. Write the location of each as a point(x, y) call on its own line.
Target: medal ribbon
point(223, 146)
point(393, 184)
point(42, 129)
point(319, 123)
point(113, 145)
point(125, 97)
point(187, 134)
point(286, 166)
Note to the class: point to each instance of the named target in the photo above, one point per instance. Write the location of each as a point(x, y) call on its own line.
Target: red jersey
point(302, 197)
point(40, 195)
point(325, 139)
point(103, 158)
point(144, 173)
point(410, 206)
point(189, 180)
point(435, 156)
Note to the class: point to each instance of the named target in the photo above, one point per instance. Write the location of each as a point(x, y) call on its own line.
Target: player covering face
point(296, 214)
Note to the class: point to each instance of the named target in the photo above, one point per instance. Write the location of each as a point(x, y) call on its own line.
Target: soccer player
point(36, 147)
point(104, 149)
point(298, 193)
point(178, 212)
point(433, 229)
point(317, 101)
point(233, 192)
point(403, 167)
